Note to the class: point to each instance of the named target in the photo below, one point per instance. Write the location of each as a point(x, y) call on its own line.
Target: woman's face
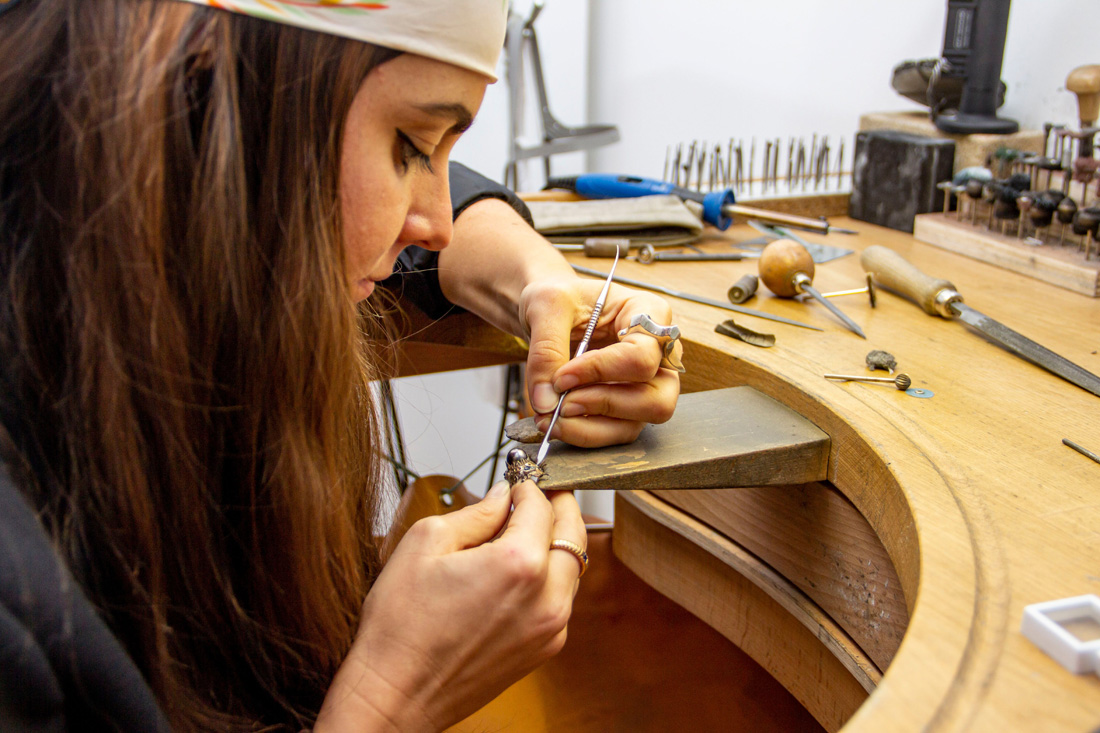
point(406, 117)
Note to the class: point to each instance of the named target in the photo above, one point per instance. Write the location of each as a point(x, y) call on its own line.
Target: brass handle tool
point(870, 290)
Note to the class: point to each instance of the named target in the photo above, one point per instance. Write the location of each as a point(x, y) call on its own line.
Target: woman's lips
point(365, 286)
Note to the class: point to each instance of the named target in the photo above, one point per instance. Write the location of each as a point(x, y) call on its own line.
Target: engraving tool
point(788, 270)
point(581, 348)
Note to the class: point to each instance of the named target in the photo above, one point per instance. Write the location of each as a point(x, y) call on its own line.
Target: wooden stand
point(1061, 265)
point(970, 150)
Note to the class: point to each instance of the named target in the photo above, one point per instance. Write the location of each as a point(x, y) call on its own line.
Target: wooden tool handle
point(1084, 81)
point(777, 217)
point(780, 262)
point(892, 271)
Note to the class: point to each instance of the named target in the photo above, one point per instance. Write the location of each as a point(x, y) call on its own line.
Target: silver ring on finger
point(667, 336)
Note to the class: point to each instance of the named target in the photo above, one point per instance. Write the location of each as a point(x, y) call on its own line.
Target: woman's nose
point(429, 223)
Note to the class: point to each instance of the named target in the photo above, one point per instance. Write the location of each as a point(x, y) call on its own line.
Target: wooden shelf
point(1061, 265)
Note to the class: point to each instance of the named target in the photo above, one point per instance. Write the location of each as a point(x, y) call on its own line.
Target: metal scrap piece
point(881, 360)
point(731, 329)
point(519, 467)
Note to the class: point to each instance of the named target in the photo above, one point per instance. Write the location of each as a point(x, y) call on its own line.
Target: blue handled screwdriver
point(719, 207)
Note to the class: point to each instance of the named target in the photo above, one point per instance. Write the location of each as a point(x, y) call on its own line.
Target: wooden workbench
point(890, 596)
point(969, 495)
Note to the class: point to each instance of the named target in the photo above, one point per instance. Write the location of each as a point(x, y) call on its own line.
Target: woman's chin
point(363, 289)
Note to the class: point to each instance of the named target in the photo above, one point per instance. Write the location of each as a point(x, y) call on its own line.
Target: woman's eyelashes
point(409, 154)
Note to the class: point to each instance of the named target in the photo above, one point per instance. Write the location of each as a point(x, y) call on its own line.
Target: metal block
point(894, 177)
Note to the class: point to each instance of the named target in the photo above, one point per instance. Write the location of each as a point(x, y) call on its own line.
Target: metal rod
point(695, 298)
point(1081, 449)
point(870, 290)
point(812, 292)
point(648, 254)
point(840, 163)
point(901, 381)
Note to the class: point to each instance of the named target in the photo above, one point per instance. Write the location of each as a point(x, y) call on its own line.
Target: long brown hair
point(185, 379)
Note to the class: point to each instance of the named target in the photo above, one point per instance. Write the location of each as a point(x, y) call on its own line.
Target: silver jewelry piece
point(519, 467)
point(667, 336)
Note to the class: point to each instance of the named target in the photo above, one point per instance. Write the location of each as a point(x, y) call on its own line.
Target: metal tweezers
point(596, 310)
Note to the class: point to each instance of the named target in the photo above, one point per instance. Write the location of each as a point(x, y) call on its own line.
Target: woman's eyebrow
point(463, 117)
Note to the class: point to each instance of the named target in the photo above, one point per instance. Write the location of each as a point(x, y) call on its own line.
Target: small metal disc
point(920, 392)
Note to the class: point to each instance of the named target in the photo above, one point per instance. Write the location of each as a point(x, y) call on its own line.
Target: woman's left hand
point(500, 268)
point(616, 387)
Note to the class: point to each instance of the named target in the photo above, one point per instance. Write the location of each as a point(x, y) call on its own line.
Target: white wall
point(708, 69)
point(562, 28)
point(713, 70)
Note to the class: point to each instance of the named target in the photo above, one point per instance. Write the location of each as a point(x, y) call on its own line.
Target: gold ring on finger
point(573, 549)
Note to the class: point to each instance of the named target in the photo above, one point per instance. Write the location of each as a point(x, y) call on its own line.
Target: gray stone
point(524, 431)
point(894, 177)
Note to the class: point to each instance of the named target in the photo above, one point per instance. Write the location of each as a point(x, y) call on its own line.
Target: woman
point(196, 206)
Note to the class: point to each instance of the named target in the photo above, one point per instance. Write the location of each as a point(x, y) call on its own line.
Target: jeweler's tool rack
point(1036, 214)
point(760, 169)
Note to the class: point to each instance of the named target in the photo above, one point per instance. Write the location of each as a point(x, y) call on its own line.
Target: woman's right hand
point(456, 616)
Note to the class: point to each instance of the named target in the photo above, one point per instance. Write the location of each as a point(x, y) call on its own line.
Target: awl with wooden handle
point(939, 298)
point(787, 269)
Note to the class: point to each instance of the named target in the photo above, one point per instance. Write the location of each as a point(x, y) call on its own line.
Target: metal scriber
point(1081, 449)
point(596, 310)
point(648, 254)
point(939, 298)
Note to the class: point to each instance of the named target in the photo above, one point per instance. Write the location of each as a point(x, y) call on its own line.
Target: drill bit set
point(1036, 213)
point(773, 167)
